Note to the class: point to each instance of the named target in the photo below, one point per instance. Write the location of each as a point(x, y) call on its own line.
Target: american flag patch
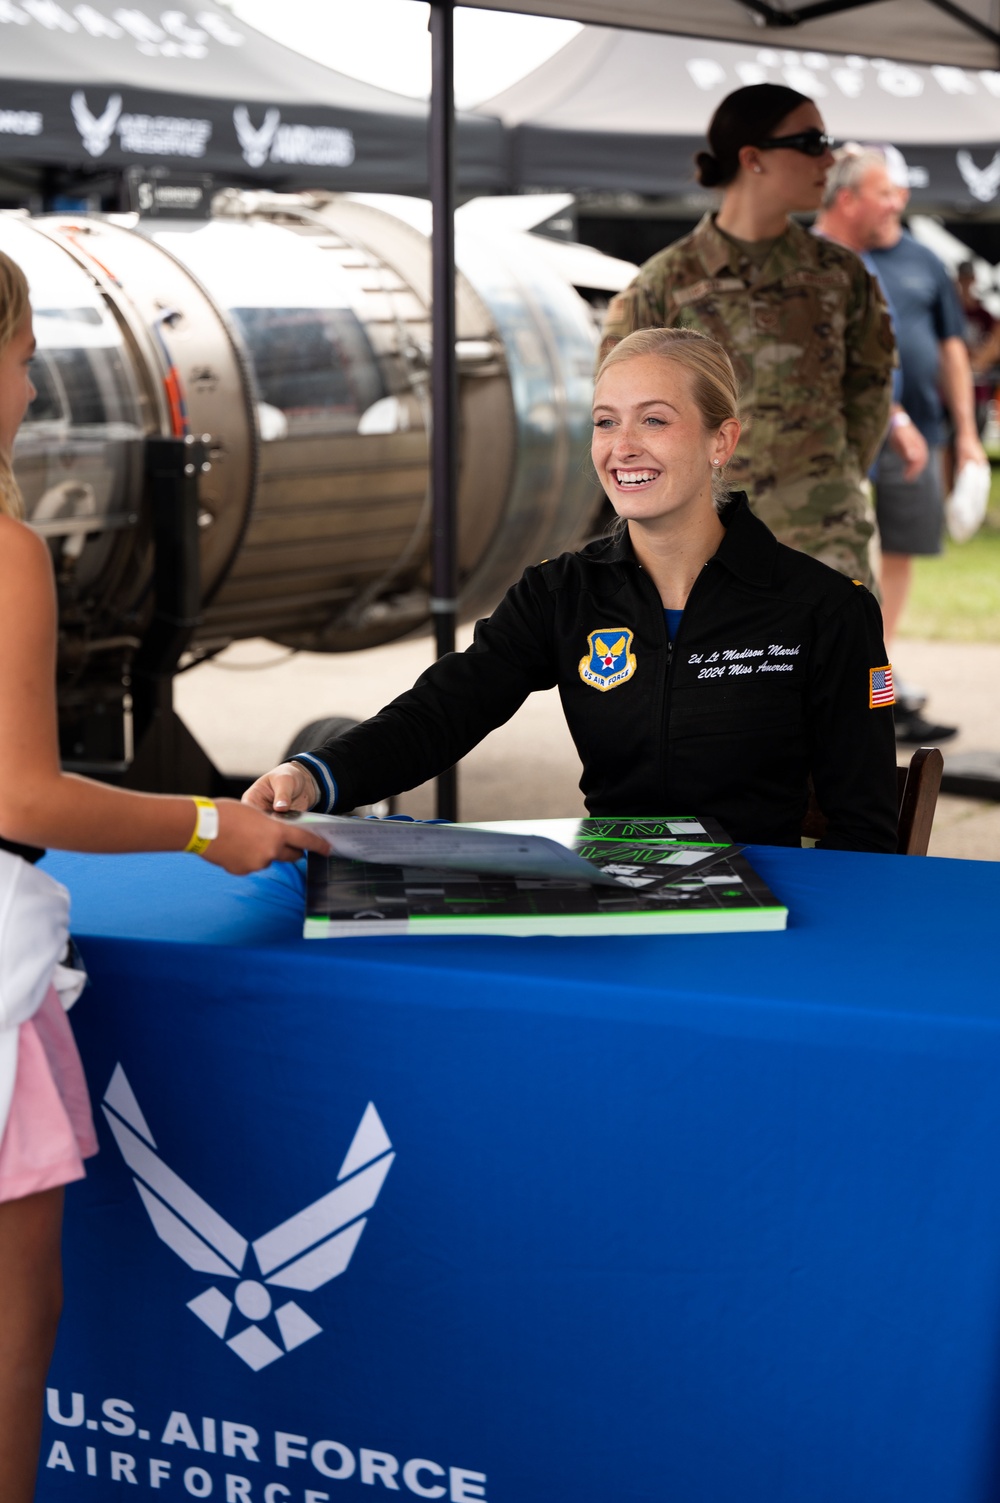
point(880, 690)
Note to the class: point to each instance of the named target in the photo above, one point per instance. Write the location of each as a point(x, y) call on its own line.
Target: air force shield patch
point(610, 660)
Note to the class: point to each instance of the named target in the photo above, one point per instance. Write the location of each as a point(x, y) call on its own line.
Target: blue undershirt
point(673, 620)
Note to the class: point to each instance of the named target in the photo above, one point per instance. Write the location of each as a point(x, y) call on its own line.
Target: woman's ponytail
point(709, 172)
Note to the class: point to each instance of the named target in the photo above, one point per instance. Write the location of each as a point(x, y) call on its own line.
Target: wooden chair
point(917, 788)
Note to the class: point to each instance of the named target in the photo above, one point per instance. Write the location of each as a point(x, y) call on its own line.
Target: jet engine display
point(292, 335)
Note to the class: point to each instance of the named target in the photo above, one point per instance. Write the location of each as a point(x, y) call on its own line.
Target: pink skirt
point(49, 1130)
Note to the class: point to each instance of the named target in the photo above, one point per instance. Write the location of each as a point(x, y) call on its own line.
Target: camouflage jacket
point(811, 342)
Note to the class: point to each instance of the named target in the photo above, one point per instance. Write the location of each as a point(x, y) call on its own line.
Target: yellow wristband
point(206, 827)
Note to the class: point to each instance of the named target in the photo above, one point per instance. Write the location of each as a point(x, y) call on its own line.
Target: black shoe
point(913, 730)
point(909, 697)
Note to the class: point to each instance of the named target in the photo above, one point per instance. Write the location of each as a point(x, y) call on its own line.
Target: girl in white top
point(45, 1127)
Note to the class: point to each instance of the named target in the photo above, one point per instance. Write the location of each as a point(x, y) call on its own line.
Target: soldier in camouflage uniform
point(810, 339)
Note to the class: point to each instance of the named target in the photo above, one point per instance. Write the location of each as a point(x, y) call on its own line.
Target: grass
point(956, 597)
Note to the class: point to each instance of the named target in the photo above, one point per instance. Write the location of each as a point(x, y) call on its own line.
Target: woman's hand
point(288, 787)
point(248, 840)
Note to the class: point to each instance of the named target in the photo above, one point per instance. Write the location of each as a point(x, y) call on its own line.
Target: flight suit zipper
point(673, 653)
point(647, 587)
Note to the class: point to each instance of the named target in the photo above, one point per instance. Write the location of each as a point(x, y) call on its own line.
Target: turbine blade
point(180, 1238)
point(328, 1214)
point(369, 1142)
point(171, 1188)
point(121, 1098)
point(323, 1263)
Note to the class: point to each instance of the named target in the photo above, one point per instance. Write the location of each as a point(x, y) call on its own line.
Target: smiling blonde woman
point(703, 668)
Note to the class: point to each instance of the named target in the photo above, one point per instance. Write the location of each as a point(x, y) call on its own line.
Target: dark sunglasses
point(812, 143)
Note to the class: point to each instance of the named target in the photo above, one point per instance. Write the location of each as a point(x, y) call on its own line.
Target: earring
point(756, 168)
point(715, 461)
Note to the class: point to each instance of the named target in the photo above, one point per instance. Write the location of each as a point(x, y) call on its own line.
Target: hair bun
point(709, 169)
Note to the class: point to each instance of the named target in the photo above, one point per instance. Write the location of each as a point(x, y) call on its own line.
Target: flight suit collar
point(791, 251)
point(748, 550)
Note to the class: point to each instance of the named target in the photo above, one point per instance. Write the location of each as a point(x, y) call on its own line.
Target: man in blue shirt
point(862, 206)
point(859, 204)
point(937, 383)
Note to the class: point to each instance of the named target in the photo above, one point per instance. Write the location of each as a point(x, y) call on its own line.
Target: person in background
point(45, 1125)
point(982, 337)
point(804, 323)
point(859, 210)
point(859, 201)
point(937, 382)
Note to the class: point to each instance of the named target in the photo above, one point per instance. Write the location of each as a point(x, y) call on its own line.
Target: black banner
point(100, 127)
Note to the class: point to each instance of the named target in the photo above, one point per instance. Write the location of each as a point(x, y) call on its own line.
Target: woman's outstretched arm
point(454, 703)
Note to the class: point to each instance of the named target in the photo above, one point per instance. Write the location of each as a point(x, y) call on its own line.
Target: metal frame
point(167, 757)
point(782, 19)
point(769, 14)
point(444, 367)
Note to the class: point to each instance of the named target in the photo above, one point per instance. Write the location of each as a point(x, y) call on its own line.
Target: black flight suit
point(772, 678)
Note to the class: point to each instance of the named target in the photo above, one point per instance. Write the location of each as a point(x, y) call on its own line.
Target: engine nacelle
point(295, 334)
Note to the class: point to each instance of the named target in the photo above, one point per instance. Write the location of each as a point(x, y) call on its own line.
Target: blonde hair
point(15, 305)
point(714, 386)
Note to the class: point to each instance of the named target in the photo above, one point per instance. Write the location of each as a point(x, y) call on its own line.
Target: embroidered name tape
point(880, 690)
point(610, 660)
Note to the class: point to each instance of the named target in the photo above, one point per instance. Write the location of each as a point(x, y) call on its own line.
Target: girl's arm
point(42, 805)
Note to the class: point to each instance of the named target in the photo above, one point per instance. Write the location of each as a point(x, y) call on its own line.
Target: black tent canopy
point(619, 111)
point(965, 33)
point(101, 87)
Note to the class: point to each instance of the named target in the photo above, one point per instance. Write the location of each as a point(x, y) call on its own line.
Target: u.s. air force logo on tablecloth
point(610, 660)
point(303, 1253)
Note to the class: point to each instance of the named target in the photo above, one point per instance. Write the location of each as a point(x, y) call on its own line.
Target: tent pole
point(444, 380)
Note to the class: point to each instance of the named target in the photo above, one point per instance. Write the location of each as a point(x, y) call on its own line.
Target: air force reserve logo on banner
point(302, 1254)
point(610, 660)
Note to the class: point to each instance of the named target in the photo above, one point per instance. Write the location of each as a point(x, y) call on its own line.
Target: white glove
point(965, 508)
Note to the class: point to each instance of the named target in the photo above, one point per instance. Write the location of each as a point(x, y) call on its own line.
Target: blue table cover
point(700, 1219)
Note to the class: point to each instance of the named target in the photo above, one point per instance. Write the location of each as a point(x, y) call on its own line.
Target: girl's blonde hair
point(714, 386)
point(15, 305)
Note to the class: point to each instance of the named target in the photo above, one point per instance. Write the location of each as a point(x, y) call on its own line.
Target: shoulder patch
point(880, 689)
point(610, 659)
